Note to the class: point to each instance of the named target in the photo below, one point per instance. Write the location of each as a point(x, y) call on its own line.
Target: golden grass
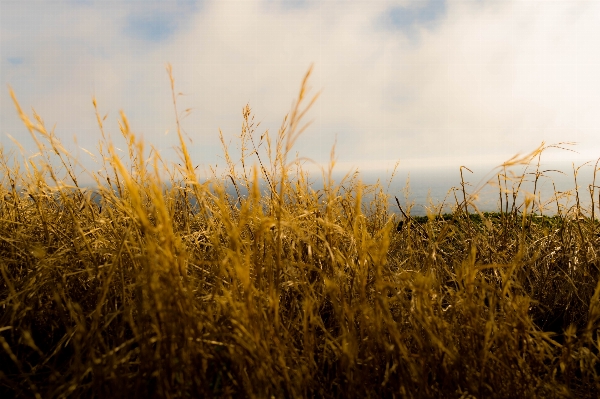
point(179, 290)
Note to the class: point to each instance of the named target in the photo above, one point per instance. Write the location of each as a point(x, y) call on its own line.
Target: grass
point(175, 288)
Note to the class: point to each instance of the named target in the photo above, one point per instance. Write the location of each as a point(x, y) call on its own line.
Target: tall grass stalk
point(153, 288)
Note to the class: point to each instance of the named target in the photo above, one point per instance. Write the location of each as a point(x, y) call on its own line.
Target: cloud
point(432, 84)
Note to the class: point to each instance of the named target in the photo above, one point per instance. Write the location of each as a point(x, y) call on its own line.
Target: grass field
point(174, 288)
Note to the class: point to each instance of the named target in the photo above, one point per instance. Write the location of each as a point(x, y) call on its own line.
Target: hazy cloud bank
point(431, 84)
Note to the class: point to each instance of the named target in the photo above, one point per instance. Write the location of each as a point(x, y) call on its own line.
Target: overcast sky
point(429, 83)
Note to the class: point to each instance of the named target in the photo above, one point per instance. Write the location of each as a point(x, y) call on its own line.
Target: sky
point(432, 84)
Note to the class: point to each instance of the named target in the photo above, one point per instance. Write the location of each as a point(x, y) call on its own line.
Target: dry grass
point(181, 290)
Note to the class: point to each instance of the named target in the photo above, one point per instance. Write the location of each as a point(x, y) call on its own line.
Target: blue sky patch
point(158, 21)
point(154, 27)
point(424, 13)
point(15, 60)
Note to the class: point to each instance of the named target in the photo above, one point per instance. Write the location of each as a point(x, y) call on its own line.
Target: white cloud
point(486, 80)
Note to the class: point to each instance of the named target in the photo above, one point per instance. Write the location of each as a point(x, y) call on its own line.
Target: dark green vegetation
point(296, 292)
